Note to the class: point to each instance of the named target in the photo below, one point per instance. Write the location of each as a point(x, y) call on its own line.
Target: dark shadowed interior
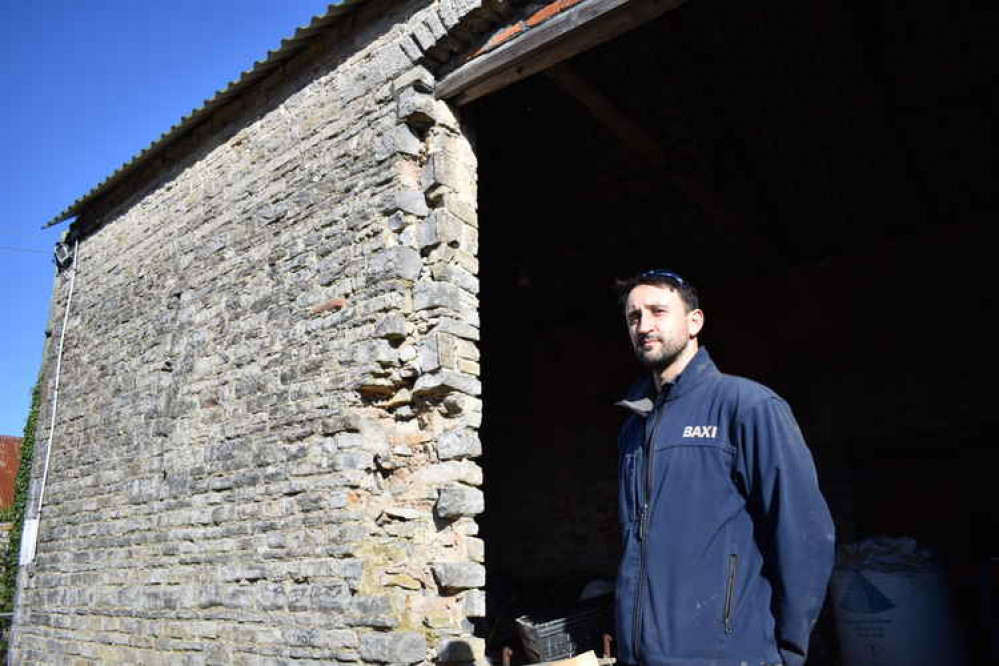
point(822, 172)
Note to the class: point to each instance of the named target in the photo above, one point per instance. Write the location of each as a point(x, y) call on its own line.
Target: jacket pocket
point(628, 496)
point(733, 565)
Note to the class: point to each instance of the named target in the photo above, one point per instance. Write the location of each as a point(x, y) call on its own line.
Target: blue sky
point(86, 85)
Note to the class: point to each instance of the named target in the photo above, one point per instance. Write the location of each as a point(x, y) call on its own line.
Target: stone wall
point(267, 427)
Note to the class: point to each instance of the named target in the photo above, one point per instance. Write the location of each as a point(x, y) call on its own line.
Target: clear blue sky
point(85, 86)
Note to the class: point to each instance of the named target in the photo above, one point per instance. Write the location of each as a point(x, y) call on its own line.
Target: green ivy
point(15, 514)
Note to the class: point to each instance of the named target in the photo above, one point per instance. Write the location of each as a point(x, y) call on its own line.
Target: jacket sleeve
point(798, 535)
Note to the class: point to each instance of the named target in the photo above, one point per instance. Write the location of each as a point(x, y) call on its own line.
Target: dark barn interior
point(822, 172)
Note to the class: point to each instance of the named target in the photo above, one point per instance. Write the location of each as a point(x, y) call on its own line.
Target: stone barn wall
point(267, 426)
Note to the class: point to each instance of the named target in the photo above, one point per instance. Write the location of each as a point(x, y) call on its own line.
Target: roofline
point(289, 48)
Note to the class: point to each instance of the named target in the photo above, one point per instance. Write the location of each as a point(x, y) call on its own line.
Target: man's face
point(659, 325)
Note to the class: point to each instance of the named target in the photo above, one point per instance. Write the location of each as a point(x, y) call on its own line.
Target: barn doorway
point(827, 197)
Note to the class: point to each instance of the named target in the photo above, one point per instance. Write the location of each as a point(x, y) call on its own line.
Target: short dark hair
point(659, 278)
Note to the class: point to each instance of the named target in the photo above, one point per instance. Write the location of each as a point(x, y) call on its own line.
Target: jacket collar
point(642, 397)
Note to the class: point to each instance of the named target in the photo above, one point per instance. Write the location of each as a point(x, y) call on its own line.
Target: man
point(728, 543)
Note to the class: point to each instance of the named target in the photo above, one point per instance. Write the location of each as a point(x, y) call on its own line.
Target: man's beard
point(662, 358)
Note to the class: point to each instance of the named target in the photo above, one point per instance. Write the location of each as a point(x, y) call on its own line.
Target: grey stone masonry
point(270, 391)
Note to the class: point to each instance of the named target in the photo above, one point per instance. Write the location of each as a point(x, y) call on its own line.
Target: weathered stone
point(426, 235)
point(415, 108)
point(398, 221)
point(459, 575)
point(375, 351)
point(424, 36)
point(404, 513)
point(411, 202)
point(406, 142)
point(372, 612)
point(432, 294)
point(392, 326)
point(476, 549)
point(459, 500)
point(361, 460)
point(453, 471)
point(348, 440)
point(457, 328)
point(457, 276)
point(469, 367)
point(418, 78)
point(460, 208)
point(473, 603)
point(442, 169)
point(410, 49)
point(459, 443)
point(395, 647)
point(446, 381)
point(455, 10)
point(395, 262)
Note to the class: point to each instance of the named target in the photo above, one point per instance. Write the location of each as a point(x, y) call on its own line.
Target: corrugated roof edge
point(288, 49)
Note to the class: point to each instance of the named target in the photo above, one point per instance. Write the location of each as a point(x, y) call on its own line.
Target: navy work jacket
point(728, 543)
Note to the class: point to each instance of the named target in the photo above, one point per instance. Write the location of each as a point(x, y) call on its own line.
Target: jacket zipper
point(733, 561)
point(643, 525)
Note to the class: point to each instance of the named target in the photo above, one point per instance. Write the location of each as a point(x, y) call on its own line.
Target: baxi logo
point(700, 431)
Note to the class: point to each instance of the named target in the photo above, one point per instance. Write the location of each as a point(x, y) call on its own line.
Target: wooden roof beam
point(573, 31)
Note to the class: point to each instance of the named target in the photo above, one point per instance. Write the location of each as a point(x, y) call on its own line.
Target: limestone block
point(474, 603)
point(375, 351)
point(459, 443)
point(395, 647)
point(408, 353)
point(395, 262)
point(372, 612)
point(453, 11)
point(467, 350)
point(444, 169)
point(398, 221)
point(354, 460)
point(392, 327)
point(411, 202)
point(438, 350)
point(469, 367)
point(463, 210)
point(419, 78)
point(459, 575)
point(465, 408)
point(458, 500)
point(449, 227)
point(434, 24)
point(455, 255)
point(429, 359)
point(408, 46)
point(406, 142)
point(338, 638)
point(415, 108)
point(457, 328)
point(331, 597)
point(476, 549)
point(348, 440)
point(426, 235)
point(444, 116)
point(446, 381)
point(456, 275)
point(424, 36)
point(453, 471)
point(432, 294)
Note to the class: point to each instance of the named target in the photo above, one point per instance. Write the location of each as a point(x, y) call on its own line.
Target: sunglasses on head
point(661, 274)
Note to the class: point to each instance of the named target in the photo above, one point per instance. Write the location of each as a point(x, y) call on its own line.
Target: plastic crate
point(566, 632)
